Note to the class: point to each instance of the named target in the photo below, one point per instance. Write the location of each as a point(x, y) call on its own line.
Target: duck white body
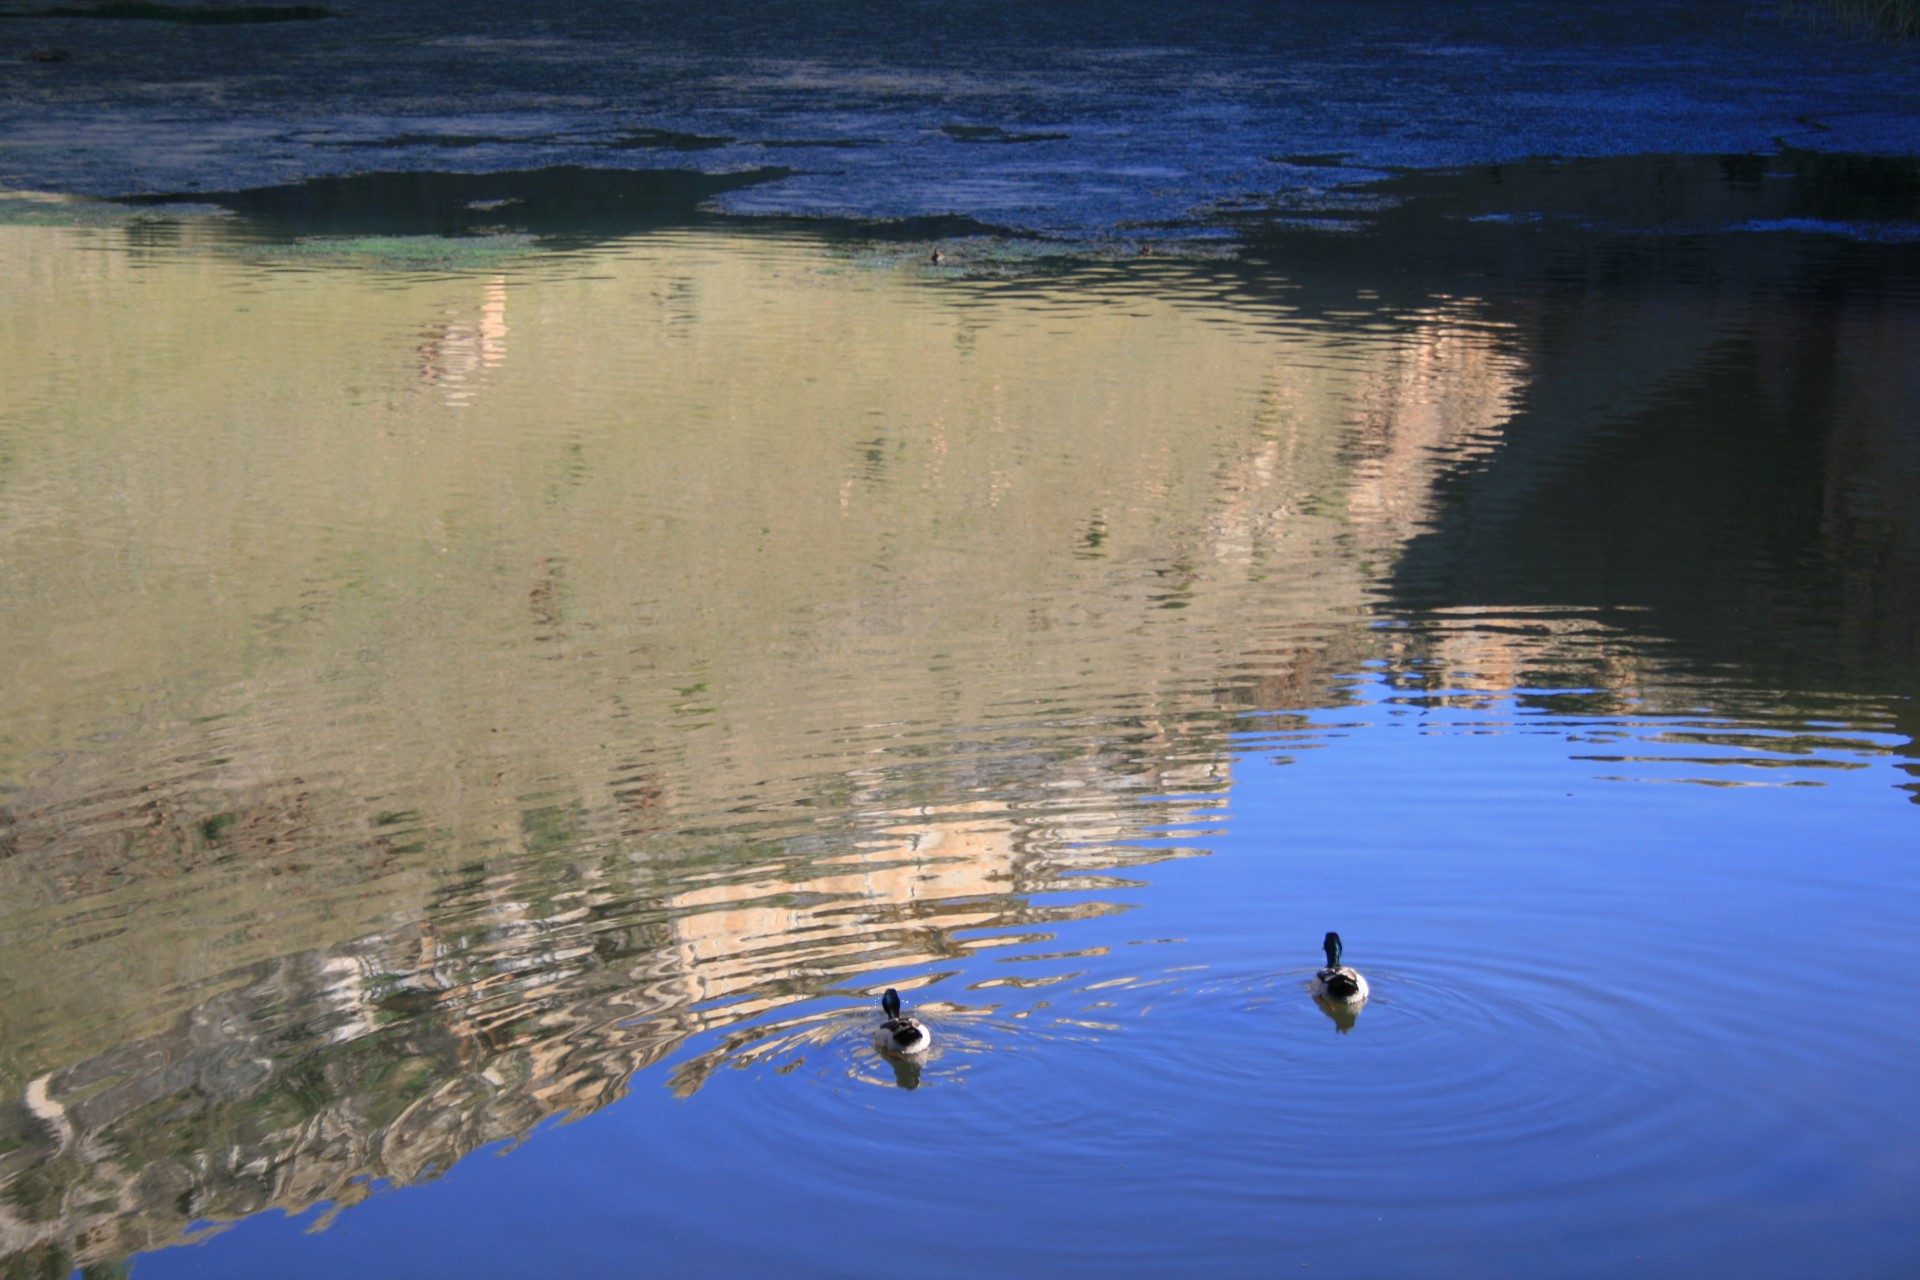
point(898, 1034)
point(1337, 983)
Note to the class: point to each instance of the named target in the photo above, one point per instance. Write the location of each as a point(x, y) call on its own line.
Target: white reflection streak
point(456, 355)
point(1449, 394)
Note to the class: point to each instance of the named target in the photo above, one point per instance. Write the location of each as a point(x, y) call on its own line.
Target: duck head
point(890, 1002)
point(1332, 947)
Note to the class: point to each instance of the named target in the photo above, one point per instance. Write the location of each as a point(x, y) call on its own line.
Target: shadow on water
point(564, 207)
point(1716, 431)
point(569, 203)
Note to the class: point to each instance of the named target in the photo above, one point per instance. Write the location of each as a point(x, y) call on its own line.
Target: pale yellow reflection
point(1443, 401)
point(946, 873)
point(754, 619)
point(1343, 1016)
point(516, 1019)
point(737, 518)
point(459, 349)
point(1477, 657)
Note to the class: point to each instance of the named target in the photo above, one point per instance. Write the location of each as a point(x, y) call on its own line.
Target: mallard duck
point(1336, 982)
point(898, 1034)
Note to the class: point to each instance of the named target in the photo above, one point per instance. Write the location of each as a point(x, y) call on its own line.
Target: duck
point(898, 1034)
point(1337, 983)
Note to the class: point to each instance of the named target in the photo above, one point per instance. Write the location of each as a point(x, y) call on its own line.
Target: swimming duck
point(898, 1034)
point(1336, 982)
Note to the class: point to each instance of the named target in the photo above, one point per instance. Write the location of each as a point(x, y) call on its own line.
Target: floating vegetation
point(406, 253)
point(47, 209)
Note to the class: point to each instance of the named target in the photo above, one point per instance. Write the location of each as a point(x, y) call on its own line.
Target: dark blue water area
point(1070, 119)
point(1623, 1020)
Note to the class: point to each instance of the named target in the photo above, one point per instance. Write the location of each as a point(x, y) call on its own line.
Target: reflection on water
point(439, 702)
point(1343, 1016)
point(457, 353)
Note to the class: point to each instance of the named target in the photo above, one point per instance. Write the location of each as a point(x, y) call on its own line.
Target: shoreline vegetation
point(1891, 19)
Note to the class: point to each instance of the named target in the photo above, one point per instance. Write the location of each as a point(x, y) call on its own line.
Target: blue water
point(1648, 1015)
point(532, 597)
point(1071, 119)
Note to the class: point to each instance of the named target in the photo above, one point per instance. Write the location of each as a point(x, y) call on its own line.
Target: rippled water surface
point(1065, 117)
point(482, 721)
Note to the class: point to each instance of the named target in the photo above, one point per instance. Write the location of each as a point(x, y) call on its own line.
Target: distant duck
point(937, 257)
point(898, 1034)
point(1336, 982)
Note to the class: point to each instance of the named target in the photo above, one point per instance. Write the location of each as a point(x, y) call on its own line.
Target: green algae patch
point(47, 209)
point(182, 225)
point(408, 253)
point(186, 15)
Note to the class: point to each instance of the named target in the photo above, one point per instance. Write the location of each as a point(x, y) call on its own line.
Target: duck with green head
point(898, 1034)
point(1337, 983)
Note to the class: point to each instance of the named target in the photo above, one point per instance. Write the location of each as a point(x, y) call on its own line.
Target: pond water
point(485, 719)
point(1069, 117)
